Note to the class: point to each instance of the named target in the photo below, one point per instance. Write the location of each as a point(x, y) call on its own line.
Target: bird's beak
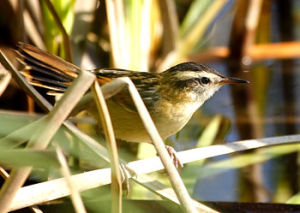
point(229, 80)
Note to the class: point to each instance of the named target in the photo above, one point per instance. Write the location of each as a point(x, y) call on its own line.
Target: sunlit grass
point(135, 38)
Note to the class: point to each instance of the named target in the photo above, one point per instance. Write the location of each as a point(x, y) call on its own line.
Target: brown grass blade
point(116, 182)
point(42, 192)
point(75, 195)
point(40, 140)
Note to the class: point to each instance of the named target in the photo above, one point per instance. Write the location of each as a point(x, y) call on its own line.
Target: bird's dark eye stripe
point(192, 82)
point(186, 83)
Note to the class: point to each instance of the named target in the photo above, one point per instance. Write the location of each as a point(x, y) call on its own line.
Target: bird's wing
point(45, 70)
point(144, 82)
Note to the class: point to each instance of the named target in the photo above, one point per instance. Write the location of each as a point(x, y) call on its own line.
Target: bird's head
point(192, 82)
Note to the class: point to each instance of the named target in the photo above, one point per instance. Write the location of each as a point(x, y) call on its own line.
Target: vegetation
point(61, 159)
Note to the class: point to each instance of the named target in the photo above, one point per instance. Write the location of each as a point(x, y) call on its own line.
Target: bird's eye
point(205, 80)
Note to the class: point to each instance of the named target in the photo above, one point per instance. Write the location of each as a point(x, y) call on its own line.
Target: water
point(277, 117)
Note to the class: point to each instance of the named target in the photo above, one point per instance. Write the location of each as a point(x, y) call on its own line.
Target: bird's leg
point(174, 157)
point(126, 173)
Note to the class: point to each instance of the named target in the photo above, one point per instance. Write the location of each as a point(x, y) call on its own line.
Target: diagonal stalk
point(116, 182)
point(41, 139)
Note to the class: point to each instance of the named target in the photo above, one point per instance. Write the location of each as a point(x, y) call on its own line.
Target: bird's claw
point(174, 157)
point(126, 173)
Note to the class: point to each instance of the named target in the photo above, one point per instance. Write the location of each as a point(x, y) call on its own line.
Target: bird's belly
point(128, 125)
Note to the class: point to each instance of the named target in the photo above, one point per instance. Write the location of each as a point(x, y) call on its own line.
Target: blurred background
point(257, 40)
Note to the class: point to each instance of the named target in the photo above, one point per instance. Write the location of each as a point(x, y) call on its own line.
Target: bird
point(171, 96)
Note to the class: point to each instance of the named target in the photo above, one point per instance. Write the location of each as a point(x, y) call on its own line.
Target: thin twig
point(116, 182)
point(34, 11)
point(116, 24)
point(75, 195)
point(170, 22)
point(66, 39)
point(170, 36)
point(42, 102)
point(46, 106)
point(251, 23)
point(174, 176)
point(5, 175)
point(5, 78)
point(175, 179)
point(36, 209)
point(42, 192)
point(40, 140)
point(32, 31)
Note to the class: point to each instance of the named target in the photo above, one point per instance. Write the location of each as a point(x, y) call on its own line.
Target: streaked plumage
point(171, 96)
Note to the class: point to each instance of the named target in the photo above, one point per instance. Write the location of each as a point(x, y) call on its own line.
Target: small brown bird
point(171, 96)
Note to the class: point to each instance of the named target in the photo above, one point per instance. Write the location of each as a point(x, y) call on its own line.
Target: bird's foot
point(126, 173)
point(174, 157)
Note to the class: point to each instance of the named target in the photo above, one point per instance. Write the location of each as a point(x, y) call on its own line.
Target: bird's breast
point(171, 117)
point(168, 118)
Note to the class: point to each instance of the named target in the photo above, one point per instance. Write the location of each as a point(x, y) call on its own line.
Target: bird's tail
point(45, 70)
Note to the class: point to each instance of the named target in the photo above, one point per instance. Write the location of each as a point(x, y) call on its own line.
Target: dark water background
point(278, 100)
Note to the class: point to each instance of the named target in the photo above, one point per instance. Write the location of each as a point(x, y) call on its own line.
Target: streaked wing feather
point(145, 83)
point(48, 59)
